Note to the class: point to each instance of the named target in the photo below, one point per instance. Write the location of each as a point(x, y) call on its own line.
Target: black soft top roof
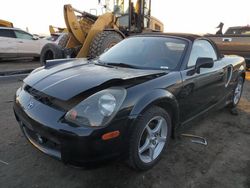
point(188, 36)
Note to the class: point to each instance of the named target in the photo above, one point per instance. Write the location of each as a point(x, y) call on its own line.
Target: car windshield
point(146, 53)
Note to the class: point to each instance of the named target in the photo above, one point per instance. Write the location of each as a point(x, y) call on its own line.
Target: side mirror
point(203, 62)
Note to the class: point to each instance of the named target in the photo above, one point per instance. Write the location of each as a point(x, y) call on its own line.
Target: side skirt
point(219, 105)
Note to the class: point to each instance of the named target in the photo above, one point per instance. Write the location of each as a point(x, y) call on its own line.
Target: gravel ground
point(224, 162)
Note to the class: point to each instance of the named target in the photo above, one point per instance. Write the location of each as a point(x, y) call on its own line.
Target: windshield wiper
point(122, 65)
point(98, 62)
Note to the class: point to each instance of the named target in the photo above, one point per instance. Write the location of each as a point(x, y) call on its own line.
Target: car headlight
point(98, 109)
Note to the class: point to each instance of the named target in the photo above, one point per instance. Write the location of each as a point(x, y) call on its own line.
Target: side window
point(201, 48)
point(23, 35)
point(7, 33)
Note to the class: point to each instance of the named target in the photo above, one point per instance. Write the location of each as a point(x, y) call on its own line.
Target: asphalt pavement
point(17, 66)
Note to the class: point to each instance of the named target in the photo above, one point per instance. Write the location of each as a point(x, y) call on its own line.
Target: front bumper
point(78, 146)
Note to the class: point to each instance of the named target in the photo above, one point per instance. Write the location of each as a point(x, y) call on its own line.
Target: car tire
point(102, 42)
point(148, 139)
point(50, 51)
point(237, 92)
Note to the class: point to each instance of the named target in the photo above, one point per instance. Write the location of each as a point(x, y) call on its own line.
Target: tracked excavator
point(91, 35)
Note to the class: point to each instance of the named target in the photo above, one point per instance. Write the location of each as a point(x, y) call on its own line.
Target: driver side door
point(202, 90)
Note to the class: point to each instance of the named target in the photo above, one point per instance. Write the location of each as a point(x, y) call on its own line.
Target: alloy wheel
point(153, 139)
point(238, 91)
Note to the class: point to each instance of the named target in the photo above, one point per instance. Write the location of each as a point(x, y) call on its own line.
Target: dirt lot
point(225, 162)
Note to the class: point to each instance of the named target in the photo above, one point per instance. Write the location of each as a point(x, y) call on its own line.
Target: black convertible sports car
point(129, 101)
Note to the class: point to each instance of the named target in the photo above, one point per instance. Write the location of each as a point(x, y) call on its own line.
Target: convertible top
point(188, 36)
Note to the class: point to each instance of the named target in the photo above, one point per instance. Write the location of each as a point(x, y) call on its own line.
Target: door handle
point(20, 41)
point(227, 39)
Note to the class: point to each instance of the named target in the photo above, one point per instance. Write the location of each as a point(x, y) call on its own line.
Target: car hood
point(71, 78)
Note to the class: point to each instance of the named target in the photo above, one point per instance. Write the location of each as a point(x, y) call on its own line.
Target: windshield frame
point(179, 64)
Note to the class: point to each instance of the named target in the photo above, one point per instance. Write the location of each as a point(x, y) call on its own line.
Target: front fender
point(159, 97)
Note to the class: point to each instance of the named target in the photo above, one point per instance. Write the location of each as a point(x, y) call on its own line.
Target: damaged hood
point(71, 78)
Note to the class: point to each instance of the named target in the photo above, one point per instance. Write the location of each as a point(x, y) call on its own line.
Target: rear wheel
point(149, 138)
point(102, 42)
point(50, 51)
point(237, 92)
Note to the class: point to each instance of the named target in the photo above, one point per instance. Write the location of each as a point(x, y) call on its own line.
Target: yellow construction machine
point(91, 35)
point(4, 23)
point(54, 29)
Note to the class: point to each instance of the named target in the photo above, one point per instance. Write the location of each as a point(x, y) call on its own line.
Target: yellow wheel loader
point(4, 23)
point(91, 35)
point(53, 29)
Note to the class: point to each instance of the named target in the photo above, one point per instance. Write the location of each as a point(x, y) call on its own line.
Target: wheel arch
point(160, 98)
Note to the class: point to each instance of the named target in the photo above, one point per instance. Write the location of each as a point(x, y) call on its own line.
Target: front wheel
point(150, 136)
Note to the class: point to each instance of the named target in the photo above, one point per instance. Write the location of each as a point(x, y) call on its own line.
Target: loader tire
point(102, 42)
point(50, 51)
point(63, 41)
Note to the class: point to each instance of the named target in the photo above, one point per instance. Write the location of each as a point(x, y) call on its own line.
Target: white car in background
point(18, 43)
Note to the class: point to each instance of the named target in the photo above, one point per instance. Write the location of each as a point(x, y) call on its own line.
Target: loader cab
point(135, 16)
point(132, 16)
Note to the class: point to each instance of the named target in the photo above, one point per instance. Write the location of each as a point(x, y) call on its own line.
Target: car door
point(202, 90)
point(26, 44)
point(8, 43)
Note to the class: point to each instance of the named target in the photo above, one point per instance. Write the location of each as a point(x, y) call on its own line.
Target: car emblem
point(30, 105)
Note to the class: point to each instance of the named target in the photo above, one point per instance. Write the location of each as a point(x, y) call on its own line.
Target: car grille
point(43, 98)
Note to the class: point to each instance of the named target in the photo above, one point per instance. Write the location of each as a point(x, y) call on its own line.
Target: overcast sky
point(193, 16)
